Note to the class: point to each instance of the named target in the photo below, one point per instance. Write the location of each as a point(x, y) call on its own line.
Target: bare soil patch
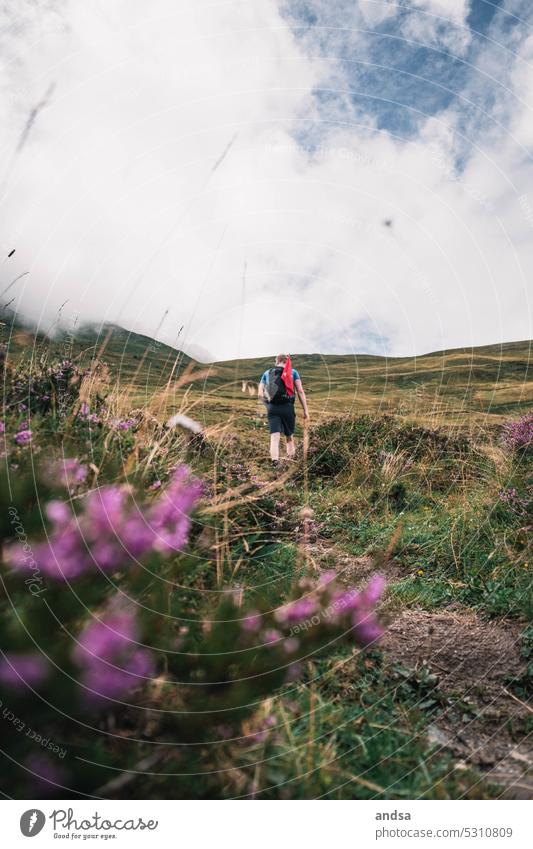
point(475, 663)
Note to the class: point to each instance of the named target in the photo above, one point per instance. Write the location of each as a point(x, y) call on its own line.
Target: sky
point(243, 177)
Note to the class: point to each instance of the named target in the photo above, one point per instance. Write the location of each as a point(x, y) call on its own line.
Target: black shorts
point(281, 418)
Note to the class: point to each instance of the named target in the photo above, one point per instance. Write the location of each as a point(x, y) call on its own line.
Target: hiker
point(277, 389)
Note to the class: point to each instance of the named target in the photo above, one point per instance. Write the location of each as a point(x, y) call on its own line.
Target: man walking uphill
point(278, 388)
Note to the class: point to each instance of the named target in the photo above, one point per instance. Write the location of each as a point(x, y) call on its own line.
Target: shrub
point(337, 445)
point(518, 433)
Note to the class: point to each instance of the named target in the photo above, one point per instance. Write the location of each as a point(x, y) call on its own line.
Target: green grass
point(354, 729)
point(371, 477)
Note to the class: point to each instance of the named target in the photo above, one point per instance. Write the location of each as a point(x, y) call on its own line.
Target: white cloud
point(441, 22)
point(453, 10)
point(111, 203)
point(521, 127)
point(374, 12)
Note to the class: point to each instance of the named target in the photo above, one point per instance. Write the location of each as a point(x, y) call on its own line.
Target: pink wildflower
point(109, 528)
point(23, 437)
point(111, 662)
point(18, 669)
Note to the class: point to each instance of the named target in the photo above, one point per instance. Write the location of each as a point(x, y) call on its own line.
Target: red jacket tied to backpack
point(286, 376)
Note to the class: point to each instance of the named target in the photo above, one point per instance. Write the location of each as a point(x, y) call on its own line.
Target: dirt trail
point(474, 664)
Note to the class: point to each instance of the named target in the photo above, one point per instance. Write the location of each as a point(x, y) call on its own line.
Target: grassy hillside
point(466, 385)
point(447, 385)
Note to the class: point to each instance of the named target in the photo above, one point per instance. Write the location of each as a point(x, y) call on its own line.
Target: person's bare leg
point(291, 447)
point(274, 446)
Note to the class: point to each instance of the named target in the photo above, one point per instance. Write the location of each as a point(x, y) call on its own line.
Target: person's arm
point(301, 396)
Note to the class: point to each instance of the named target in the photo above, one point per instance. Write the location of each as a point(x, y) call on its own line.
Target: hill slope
point(492, 379)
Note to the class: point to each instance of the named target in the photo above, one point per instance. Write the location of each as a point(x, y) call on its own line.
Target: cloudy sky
point(310, 175)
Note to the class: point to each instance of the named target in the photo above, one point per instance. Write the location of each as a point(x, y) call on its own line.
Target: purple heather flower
point(2, 427)
point(112, 665)
point(297, 610)
point(327, 577)
point(345, 601)
point(68, 472)
point(113, 525)
point(103, 638)
point(18, 669)
point(104, 509)
point(374, 589)
point(122, 424)
point(127, 424)
point(169, 515)
point(74, 471)
point(136, 533)
point(252, 622)
point(513, 500)
point(59, 514)
point(366, 627)
point(63, 557)
point(109, 527)
point(507, 494)
point(270, 636)
point(23, 437)
point(519, 433)
point(156, 485)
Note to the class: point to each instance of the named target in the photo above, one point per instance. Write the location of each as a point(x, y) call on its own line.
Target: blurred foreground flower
point(333, 606)
point(111, 528)
point(243, 655)
point(21, 669)
point(112, 664)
